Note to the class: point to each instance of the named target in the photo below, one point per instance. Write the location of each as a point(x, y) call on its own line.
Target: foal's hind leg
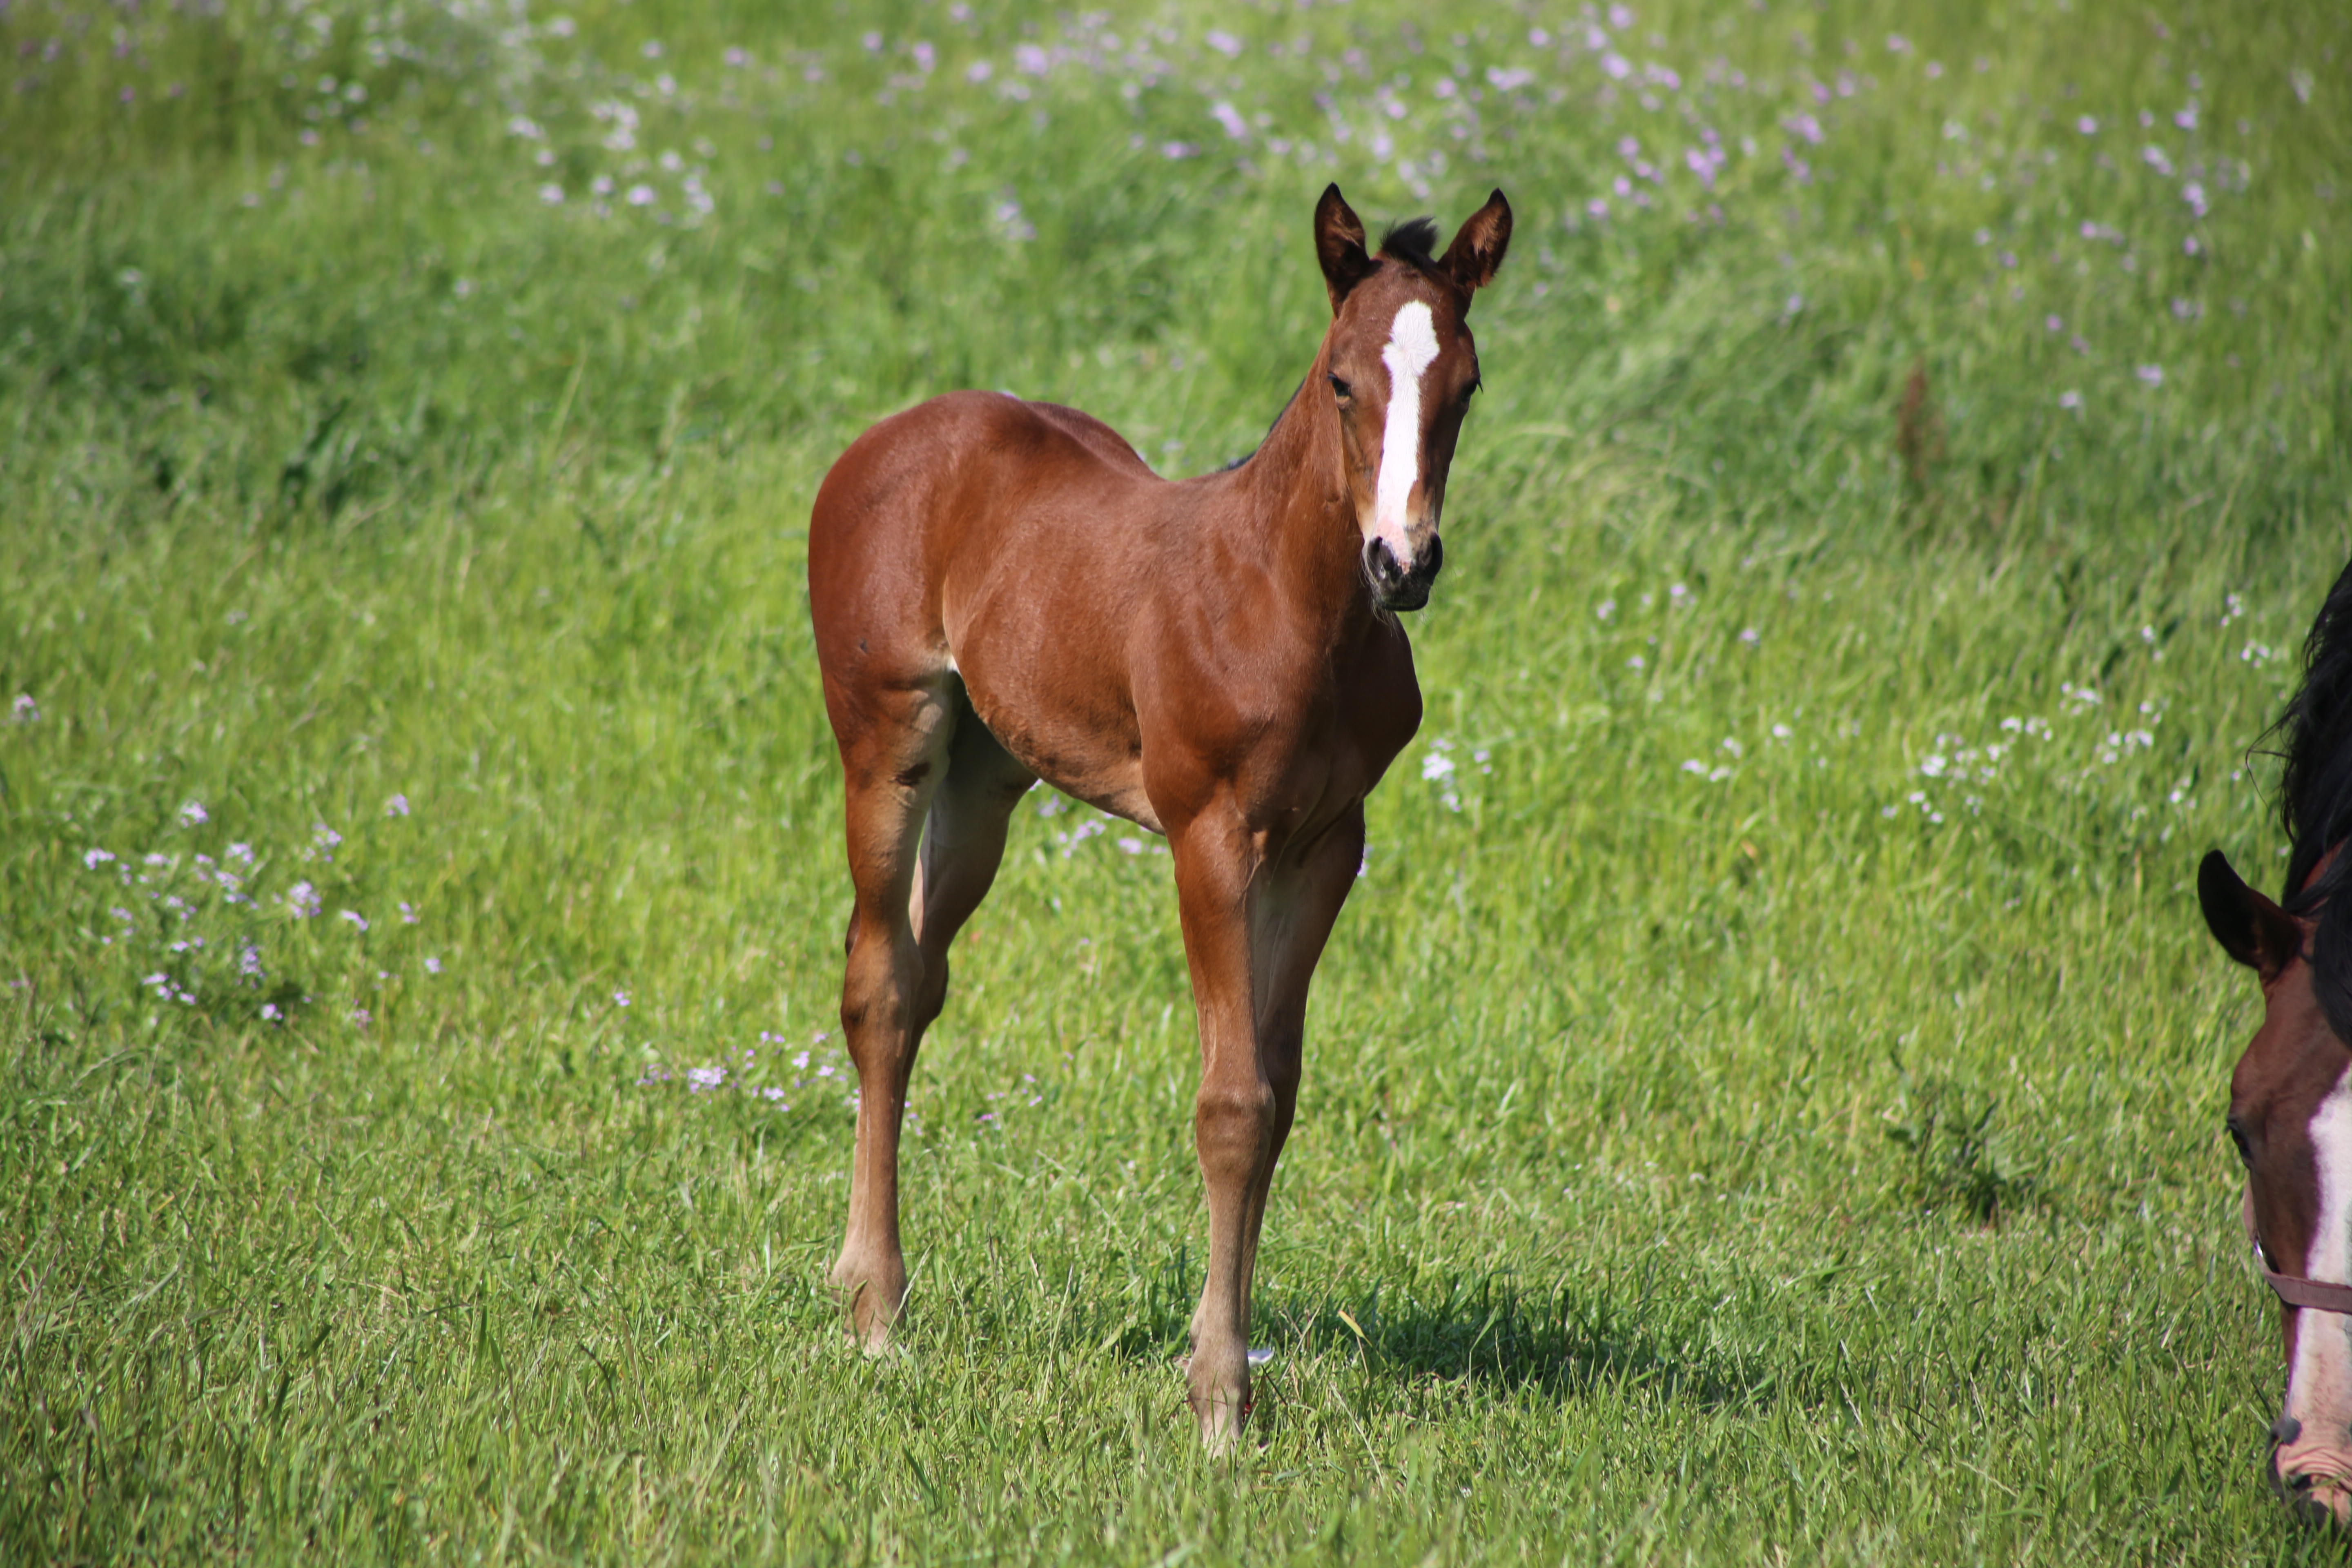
point(894, 749)
point(949, 782)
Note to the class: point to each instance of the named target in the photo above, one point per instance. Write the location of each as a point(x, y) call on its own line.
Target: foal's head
point(2291, 1118)
point(2290, 1103)
point(1402, 367)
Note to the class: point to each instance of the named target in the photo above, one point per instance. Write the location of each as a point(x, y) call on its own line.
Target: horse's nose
point(2300, 1494)
point(2316, 1495)
point(1395, 585)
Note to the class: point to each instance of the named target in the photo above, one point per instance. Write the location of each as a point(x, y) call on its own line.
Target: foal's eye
point(2238, 1136)
point(1344, 391)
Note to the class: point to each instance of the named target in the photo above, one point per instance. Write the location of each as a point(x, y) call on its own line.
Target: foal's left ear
point(1477, 252)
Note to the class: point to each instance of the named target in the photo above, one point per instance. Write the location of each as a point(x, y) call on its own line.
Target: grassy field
point(1763, 1099)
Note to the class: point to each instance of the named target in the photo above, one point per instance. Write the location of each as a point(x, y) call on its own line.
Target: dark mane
point(2315, 797)
point(1414, 240)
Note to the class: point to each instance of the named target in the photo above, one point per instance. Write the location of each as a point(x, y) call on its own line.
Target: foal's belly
point(1093, 757)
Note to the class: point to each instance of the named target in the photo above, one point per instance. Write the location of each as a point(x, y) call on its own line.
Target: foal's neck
point(1295, 495)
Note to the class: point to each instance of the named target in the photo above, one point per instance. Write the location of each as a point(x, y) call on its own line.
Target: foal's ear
point(2250, 927)
point(1339, 246)
point(1477, 252)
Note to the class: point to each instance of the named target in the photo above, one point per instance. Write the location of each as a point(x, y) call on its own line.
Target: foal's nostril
point(2286, 1429)
point(1395, 585)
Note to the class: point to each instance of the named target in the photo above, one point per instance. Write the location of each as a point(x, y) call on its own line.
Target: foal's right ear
point(1339, 246)
point(2250, 927)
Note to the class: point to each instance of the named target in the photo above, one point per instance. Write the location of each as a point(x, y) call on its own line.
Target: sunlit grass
point(1762, 1100)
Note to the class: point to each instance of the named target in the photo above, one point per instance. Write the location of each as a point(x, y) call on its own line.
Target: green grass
point(1720, 1143)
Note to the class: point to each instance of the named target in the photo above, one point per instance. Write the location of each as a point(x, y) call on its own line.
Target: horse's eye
point(1342, 388)
point(2238, 1136)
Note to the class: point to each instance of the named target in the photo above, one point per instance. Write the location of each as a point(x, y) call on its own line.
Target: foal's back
point(972, 477)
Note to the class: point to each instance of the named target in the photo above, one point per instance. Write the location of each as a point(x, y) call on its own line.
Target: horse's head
point(1401, 365)
point(2291, 1118)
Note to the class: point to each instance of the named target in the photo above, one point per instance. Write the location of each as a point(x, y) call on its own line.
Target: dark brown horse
point(2289, 1100)
point(1004, 591)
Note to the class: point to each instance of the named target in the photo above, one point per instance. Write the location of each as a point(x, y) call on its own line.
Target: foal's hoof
point(868, 1309)
point(1221, 1413)
point(1221, 1428)
point(878, 1344)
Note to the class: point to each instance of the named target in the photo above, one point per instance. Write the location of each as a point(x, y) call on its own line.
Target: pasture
point(1762, 1100)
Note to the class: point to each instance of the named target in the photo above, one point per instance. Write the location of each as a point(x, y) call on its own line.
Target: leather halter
point(2317, 1295)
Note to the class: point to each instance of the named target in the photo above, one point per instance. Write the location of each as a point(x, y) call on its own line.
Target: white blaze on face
point(1411, 349)
point(2319, 1384)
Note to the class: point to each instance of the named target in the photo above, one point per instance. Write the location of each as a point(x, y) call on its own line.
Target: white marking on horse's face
point(2319, 1379)
point(1412, 350)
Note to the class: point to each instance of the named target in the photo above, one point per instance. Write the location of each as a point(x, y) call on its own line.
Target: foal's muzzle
point(1396, 586)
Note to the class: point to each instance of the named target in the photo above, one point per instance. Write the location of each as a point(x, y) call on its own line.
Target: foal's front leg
point(1253, 930)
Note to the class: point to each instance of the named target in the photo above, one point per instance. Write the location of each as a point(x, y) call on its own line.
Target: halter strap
point(2315, 1294)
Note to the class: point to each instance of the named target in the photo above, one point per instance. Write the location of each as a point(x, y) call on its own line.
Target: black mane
point(1414, 240)
point(2315, 798)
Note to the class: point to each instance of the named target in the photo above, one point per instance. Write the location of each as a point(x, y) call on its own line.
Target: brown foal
point(1004, 591)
